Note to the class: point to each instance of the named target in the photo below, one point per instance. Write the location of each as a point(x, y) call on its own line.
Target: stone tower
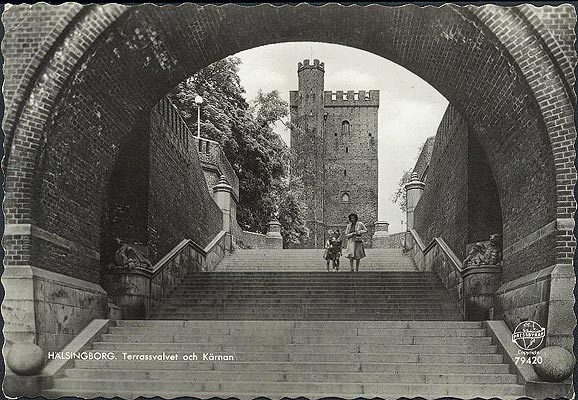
point(334, 145)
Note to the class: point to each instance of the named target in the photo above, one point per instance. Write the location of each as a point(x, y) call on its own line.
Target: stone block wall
point(393, 241)
point(48, 308)
point(254, 240)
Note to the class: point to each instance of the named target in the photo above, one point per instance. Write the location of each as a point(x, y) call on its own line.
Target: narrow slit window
point(345, 128)
point(347, 149)
point(344, 172)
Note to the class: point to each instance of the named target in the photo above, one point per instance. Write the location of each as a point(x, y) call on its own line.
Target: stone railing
point(438, 257)
point(473, 288)
point(139, 290)
point(215, 163)
point(253, 240)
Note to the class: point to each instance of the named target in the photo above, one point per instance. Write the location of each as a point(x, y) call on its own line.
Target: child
point(333, 250)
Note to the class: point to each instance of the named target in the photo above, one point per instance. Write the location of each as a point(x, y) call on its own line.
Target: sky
point(410, 109)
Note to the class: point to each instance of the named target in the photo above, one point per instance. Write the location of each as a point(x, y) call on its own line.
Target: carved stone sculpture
point(475, 256)
point(485, 254)
point(129, 257)
point(493, 253)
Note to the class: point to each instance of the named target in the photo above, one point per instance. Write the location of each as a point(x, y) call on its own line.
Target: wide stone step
point(168, 324)
point(323, 277)
point(126, 394)
point(311, 299)
point(294, 339)
point(318, 292)
point(285, 316)
point(319, 268)
point(303, 347)
point(302, 306)
point(289, 376)
point(146, 386)
point(257, 332)
point(400, 298)
point(322, 357)
point(247, 286)
point(314, 366)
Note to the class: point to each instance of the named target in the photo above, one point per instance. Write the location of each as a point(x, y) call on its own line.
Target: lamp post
point(198, 102)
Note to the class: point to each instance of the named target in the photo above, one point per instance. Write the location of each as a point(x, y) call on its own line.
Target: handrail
point(179, 247)
point(417, 239)
point(456, 262)
point(451, 255)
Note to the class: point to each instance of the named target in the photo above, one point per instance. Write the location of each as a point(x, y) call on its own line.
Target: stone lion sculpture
point(130, 257)
point(485, 254)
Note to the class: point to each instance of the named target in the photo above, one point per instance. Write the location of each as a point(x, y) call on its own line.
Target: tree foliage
point(257, 154)
point(400, 195)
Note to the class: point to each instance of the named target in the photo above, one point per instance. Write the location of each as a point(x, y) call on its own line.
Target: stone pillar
point(480, 285)
point(380, 235)
point(274, 229)
point(222, 196)
point(413, 189)
point(381, 229)
point(274, 240)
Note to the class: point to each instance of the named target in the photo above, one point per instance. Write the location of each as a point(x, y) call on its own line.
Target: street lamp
point(198, 102)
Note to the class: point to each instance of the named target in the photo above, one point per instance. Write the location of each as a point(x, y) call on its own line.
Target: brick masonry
point(334, 145)
point(517, 105)
point(180, 207)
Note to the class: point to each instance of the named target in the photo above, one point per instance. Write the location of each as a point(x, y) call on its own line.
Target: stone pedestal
point(273, 238)
point(381, 229)
point(381, 235)
point(479, 286)
point(414, 189)
point(130, 291)
point(274, 229)
point(222, 195)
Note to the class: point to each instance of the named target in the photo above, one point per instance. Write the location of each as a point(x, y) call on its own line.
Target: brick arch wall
point(91, 93)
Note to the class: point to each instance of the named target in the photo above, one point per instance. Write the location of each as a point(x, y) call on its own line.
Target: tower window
point(344, 172)
point(347, 149)
point(334, 133)
point(345, 128)
point(345, 198)
point(369, 134)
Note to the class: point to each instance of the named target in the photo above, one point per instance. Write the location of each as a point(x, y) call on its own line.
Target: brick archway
point(109, 65)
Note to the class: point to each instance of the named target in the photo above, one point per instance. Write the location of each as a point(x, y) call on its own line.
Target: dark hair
point(353, 215)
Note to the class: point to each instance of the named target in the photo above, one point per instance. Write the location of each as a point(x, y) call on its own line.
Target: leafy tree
point(258, 155)
point(285, 201)
point(400, 196)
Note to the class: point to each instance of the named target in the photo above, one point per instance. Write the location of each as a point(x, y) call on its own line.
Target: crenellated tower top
point(306, 64)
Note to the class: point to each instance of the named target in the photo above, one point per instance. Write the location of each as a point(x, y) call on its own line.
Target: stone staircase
point(295, 296)
point(385, 333)
point(349, 359)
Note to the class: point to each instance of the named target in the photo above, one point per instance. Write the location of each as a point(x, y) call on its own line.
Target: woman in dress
point(353, 233)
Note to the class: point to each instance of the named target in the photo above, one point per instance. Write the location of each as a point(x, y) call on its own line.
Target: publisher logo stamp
point(528, 335)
